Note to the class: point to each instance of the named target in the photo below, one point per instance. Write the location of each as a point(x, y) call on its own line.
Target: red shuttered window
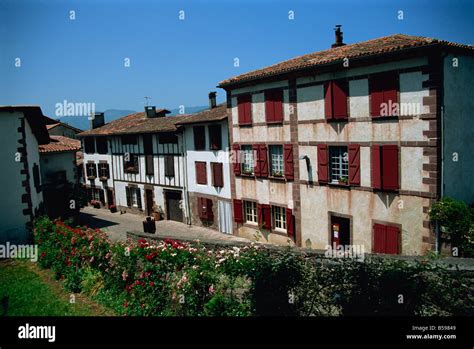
point(386, 239)
point(383, 94)
point(217, 174)
point(385, 167)
point(323, 163)
point(236, 161)
point(205, 209)
point(264, 216)
point(289, 163)
point(354, 164)
point(238, 211)
point(274, 106)
point(244, 106)
point(290, 223)
point(261, 160)
point(335, 99)
point(201, 172)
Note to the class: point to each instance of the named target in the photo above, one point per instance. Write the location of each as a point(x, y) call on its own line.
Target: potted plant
point(103, 178)
point(157, 212)
point(91, 178)
point(343, 180)
point(95, 203)
point(277, 174)
point(112, 208)
point(247, 172)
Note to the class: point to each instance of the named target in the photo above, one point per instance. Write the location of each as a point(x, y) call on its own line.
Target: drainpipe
point(185, 186)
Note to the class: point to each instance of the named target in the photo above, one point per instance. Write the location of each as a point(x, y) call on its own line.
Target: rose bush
point(171, 278)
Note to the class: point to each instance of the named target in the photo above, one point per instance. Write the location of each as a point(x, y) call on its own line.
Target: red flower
point(152, 284)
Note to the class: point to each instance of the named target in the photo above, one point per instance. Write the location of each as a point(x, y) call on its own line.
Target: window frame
point(199, 139)
point(90, 165)
point(281, 161)
point(169, 166)
point(215, 136)
point(282, 221)
point(253, 214)
point(88, 143)
point(197, 166)
point(245, 150)
point(101, 142)
point(341, 164)
point(100, 169)
point(135, 169)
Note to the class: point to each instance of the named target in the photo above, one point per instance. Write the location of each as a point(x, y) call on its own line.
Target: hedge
point(171, 278)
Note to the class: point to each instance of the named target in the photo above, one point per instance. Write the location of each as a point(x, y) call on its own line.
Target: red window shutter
point(390, 167)
point(201, 173)
point(392, 240)
point(339, 99)
point(290, 224)
point(390, 91)
point(256, 160)
point(289, 164)
point(323, 171)
point(379, 238)
point(200, 208)
point(236, 158)
point(269, 106)
point(354, 164)
point(238, 211)
point(263, 155)
point(244, 107)
point(209, 213)
point(375, 167)
point(328, 100)
point(264, 216)
point(376, 94)
point(217, 176)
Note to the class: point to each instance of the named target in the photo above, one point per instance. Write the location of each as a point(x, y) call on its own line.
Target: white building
point(137, 163)
point(22, 129)
point(206, 143)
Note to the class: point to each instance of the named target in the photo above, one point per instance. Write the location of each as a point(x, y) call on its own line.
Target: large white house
point(23, 129)
point(206, 143)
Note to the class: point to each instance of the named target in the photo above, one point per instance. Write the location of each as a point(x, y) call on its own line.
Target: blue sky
point(177, 62)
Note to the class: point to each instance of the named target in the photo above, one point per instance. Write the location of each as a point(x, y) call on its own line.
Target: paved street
point(116, 225)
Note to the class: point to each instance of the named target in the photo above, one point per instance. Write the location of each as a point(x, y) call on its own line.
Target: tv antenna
point(147, 100)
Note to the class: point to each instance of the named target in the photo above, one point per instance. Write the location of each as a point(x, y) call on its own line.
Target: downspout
point(185, 186)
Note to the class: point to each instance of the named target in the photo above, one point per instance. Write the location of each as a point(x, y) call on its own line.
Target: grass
point(34, 292)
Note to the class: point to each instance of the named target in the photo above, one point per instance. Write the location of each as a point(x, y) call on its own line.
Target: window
point(217, 174)
point(274, 106)
point(386, 239)
point(383, 94)
point(250, 212)
point(244, 107)
point(169, 166)
point(36, 178)
point(276, 160)
point(201, 172)
point(335, 99)
point(205, 209)
point(385, 167)
point(129, 140)
point(89, 145)
point(215, 137)
point(91, 170)
point(247, 159)
point(147, 144)
point(96, 194)
point(103, 170)
point(238, 216)
point(133, 197)
point(101, 143)
point(339, 164)
point(279, 217)
point(199, 137)
point(168, 138)
point(130, 163)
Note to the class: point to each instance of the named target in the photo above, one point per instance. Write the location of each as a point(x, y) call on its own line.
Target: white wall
point(208, 156)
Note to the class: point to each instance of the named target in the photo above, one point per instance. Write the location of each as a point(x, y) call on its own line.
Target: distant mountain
point(188, 110)
point(83, 123)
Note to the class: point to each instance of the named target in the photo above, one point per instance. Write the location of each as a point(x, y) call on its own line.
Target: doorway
point(340, 231)
point(225, 217)
point(110, 197)
point(173, 206)
point(149, 201)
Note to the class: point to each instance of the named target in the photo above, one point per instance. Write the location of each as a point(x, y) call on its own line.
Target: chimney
point(150, 111)
point(98, 120)
point(212, 100)
point(338, 33)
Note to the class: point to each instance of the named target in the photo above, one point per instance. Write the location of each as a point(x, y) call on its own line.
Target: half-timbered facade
point(346, 146)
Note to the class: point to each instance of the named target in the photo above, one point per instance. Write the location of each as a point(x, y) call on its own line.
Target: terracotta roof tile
point(377, 46)
point(60, 144)
point(215, 114)
point(136, 123)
